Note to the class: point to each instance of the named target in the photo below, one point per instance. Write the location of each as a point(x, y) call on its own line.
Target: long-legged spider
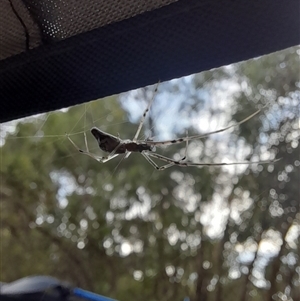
point(115, 146)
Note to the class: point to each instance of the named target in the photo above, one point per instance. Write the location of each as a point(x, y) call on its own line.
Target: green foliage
point(127, 231)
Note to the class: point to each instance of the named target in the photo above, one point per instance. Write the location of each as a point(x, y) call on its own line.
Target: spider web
point(178, 106)
point(198, 103)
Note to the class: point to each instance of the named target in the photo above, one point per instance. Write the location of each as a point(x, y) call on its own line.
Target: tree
point(127, 231)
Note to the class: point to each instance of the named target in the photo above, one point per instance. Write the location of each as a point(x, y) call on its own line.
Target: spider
point(115, 146)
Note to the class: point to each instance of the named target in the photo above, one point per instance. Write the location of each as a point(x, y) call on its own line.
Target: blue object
point(78, 292)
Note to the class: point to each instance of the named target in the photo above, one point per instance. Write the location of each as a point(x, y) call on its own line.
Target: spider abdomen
point(109, 143)
point(137, 147)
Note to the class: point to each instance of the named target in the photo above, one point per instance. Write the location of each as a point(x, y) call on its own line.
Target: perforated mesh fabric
point(65, 18)
point(30, 23)
point(54, 54)
point(18, 30)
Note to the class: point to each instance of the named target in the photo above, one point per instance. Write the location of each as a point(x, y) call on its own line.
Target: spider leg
point(98, 158)
point(184, 139)
point(85, 142)
point(146, 155)
point(127, 155)
point(186, 146)
point(144, 115)
point(88, 153)
point(181, 162)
